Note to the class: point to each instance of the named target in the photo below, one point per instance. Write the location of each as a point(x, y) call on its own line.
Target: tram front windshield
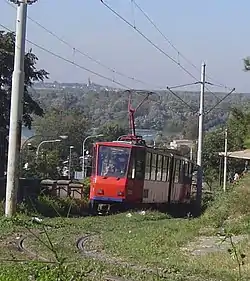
point(113, 161)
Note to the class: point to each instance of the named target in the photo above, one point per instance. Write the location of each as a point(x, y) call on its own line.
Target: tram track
point(23, 248)
point(82, 245)
point(83, 241)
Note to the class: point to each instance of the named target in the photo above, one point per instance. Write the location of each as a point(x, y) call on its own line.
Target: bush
point(52, 206)
point(234, 204)
point(86, 183)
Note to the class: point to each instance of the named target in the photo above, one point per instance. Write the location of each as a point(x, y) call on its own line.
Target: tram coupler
point(103, 208)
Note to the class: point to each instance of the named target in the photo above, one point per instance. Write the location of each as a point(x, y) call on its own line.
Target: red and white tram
point(129, 173)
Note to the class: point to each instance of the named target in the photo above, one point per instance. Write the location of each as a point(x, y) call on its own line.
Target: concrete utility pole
point(225, 164)
point(16, 111)
point(200, 136)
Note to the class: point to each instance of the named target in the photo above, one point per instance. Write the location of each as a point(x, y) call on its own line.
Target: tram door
point(136, 173)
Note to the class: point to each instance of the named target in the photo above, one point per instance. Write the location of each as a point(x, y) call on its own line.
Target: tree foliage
point(46, 165)
point(32, 74)
point(190, 130)
point(112, 131)
point(166, 114)
point(214, 142)
point(71, 123)
point(246, 63)
point(7, 48)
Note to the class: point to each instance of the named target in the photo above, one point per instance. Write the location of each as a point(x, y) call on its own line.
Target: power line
point(184, 85)
point(173, 93)
point(171, 44)
point(95, 60)
point(114, 71)
point(228, 94)
point(109, 68)
point(212, 93)
point(164, 36)
point(148, 40)
point(152, 43)
point(107, 78)
point(71, 62)
point(112, 80)
point(91, 71)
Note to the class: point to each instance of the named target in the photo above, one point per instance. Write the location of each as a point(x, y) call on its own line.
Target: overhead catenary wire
point(184, 85)
point(97, 61)
point(107, 78)
point(100, 75)
point(113, 70)
point(71, 62)
point(91, 71)
point(149, 40)
point(172, 45)
point(173, 93)
point(77, 50)
point(228, 94)
point(152, 43)
point(134, 4)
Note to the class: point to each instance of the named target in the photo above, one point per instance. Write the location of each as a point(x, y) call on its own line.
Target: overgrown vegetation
point(149, 240)
point(238, 138)
point(32, 74)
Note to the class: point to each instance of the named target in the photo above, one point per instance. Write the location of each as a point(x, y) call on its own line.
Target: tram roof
point(131, 144)
point(118, 143)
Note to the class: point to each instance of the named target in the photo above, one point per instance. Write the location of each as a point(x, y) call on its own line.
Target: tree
point(190, 130)
point(71, 123)
point(239, 126)
point(246, 63)
point(30, 107)
point(238, 132)
point(112, 131)
point(47, 165)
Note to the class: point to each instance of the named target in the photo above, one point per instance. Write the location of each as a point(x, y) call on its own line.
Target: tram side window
point(165, 168)
point(177, 170)
point(148, 165)
point(153, 166)
point(191, 169)
point(140, 164)
point(137, 165)
point(186, 169)
point(159, 168)
point(182, 171)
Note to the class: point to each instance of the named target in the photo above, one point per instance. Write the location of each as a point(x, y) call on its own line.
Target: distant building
point(179, 143)
point(186, 146)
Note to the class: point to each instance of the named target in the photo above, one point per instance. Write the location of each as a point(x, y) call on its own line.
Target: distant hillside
point(163, 112)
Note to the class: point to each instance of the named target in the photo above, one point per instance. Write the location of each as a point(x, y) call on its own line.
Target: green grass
point(152, 240)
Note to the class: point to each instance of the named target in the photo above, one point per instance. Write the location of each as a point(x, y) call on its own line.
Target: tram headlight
point(100, 192)
point(120, 193)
